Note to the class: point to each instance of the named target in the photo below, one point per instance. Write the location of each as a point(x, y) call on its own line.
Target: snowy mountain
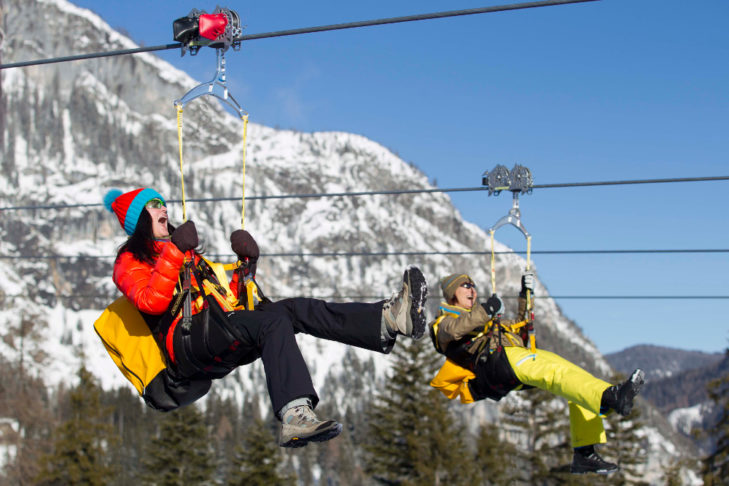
point(676, 385)
point(660, 362)
point(72, 131)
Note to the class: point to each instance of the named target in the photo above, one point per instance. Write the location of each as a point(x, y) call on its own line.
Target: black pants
point(268, 333)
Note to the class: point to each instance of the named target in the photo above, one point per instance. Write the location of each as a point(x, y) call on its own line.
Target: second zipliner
point(488, 356)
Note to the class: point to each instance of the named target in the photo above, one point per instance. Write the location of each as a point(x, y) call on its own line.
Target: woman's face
point(465, 295)
point(158, 212)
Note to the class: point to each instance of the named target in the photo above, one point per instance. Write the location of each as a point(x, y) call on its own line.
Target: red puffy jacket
point(151, 287)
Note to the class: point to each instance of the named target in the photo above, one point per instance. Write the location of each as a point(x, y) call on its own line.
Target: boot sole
point(323, 436)
point(637, 380)
point(595, 471)
point(418, 294)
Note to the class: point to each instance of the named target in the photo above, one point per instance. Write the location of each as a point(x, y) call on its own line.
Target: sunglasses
point(468, 285)
point(155, 203)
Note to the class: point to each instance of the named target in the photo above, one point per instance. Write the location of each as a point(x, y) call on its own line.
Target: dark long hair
point(141, 243)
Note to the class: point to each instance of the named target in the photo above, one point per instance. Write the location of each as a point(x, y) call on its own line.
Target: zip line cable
point(388, 193)
point(393, 253)
point(380, 297)
point(309, 30)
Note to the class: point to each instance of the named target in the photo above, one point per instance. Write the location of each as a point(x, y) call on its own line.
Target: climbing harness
point(518, 181)
point(219, 30)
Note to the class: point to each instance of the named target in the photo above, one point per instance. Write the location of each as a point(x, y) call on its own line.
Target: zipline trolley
point(219, 30)
point(519, 181)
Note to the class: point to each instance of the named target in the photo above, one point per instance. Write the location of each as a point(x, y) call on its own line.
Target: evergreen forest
point(407, 434)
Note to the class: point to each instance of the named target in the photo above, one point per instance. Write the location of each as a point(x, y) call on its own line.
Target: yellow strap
point(182, 173)
point(515, 327)
point(529, 302)
point(219, 270)
point(493, 266)
point(249, 296)
point(231, 266)
point(243, 201)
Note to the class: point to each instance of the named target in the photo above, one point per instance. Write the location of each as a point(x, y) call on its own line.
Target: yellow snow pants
point(548, 371)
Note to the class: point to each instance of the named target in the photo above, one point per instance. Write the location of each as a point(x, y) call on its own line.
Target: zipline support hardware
point(220, 30)
point(519, 181)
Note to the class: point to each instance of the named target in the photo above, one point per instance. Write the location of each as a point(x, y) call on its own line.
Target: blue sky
point(601, 91)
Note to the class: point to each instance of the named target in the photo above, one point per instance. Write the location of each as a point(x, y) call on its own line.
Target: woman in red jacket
point(148, 270)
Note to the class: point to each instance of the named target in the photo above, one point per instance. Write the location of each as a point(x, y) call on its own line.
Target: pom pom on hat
point(128, 206)
point(110, 197)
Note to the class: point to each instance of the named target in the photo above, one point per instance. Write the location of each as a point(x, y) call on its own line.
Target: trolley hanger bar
point(308, 30)
point(215, 87)
point(513, 218)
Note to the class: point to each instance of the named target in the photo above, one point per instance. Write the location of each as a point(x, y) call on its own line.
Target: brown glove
point(185, 237)
point(246, 248)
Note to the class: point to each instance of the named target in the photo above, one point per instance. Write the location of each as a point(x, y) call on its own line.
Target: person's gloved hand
point(244, 245)
point(246, 248)
point(527, 282)
point(185, 236)
point(493, 305)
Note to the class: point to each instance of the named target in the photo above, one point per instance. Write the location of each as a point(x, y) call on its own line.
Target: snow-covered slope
point(72, 131)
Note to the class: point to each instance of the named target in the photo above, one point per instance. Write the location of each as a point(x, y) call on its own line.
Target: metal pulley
point(220, 30)
point(518, 180)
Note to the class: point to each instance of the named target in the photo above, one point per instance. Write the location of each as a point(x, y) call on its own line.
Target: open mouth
point(162, 220)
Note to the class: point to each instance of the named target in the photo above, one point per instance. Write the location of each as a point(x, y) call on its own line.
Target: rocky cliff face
point(72, 131)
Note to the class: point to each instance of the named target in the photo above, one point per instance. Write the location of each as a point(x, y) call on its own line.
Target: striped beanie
point(450, 283)
point(128, 206)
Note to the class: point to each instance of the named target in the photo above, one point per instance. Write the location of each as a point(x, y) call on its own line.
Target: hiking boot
point(299, 426)
point(620, 397)
point(586, 460)
point(404, 313)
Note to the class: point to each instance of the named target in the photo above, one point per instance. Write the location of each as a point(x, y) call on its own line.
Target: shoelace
point(304, 415)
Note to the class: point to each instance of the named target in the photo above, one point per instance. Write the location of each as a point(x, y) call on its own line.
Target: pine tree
point(258, 459)
point(223, 417)
point(412, 437)
point(672, 472)
point(23, 401)
point(716, 464)
point(81, 443)
point(543, 421)
point(181, 454)
point(496, 458)
point(131, 422)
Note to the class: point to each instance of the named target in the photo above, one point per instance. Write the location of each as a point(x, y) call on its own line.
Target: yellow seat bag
point(130, 343)
point(452, 380)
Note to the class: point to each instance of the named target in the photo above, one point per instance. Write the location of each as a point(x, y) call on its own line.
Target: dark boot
point(404, 313)
point(586, 460)
point(620, 397)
